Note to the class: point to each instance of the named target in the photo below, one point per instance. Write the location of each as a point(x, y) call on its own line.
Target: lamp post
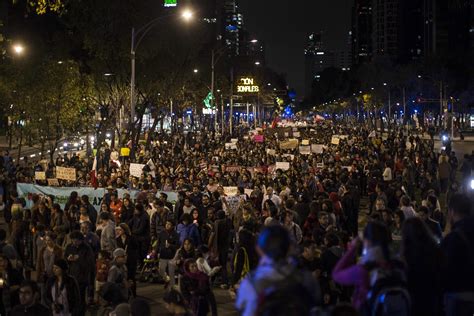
point(441, 99)
point(137, 37)
point(214, 60)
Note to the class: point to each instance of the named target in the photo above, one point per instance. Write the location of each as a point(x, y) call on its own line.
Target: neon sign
point(247, 85)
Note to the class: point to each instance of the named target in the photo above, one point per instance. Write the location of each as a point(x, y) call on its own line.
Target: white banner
point(282, 165)
point(305, 150)
point(61, 194)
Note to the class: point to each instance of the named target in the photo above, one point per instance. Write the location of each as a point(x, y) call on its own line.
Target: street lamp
point(18, 49)
point(137, 37)
point(257, 63)
point(195, 71)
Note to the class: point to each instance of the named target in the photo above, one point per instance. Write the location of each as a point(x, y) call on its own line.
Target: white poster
point(305, 150)
point(231, 191)
point(283, 165)
point(66, 173)
point(136, 169)
point(230, 146)
point(317, 148)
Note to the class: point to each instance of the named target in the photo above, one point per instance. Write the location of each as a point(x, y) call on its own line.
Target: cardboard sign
point(283, 165)
point(305, 142)
point(136, 169)
point(40, 175)
point(335, 140)
point(230, 146)
point(289, 144)
point(305, 150)
point(234, 140)
point(124, 151)
point(258, 138)
point(231, 191)
point(66, 173)
point(232, 168)
point(271, 152)
point(317, 148)
point(53, 182)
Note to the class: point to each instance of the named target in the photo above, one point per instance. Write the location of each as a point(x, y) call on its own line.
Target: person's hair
point(332, 239)
point(202, 249)
point(139, 208)
point(31, 284)
point(322, 214)
point(401, 215)
point(377, 233)
point(186, 217)
point(104, 215)
point(423, 209)
point(85, 198)
point(274, 241)
point(307, 244)
point(433, 200)
point(460, 205)
point(171, 221)
point(3, 234)
point(164, 195)
point(418, 242)
point(76, 235)
point(141, 307)
point(190, 241)
point(405, 200)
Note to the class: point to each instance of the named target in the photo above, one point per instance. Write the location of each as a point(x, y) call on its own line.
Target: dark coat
point(83, 268)
point(72, 290)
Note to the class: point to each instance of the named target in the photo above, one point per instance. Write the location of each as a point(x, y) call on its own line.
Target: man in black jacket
point(433, 225)
point(81, 260)
point(29, 294)
point(168, 244)
point(458, 248)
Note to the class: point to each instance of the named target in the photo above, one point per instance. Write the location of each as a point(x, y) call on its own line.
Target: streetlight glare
point(18, 48)
point(257, 63)
point(196, 71)
point(254, 41)
point(187, 15)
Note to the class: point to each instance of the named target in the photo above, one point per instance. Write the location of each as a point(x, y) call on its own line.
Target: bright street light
point(384, 83)
point(18, 49)
point(254, 41)
point(187, 15)
point(195, 71)
point(257, 63)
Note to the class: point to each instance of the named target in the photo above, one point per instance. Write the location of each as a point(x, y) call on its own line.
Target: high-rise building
point(361, 33)
point(232, 24)
point(314, 59)
point(386, 28)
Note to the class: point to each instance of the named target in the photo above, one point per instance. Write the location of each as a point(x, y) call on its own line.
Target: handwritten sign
point(136, 169)
point(40, 175)
point(305, 142)
point(232, 168)
point(53, 182)
point(317, 148)
point(271, 152)
point(258, 138)
point(283, 165)
point(289, 144)
point(231, 191)
point(66, 173)
point(230, 146)
point(305, 150)
point(335, 140)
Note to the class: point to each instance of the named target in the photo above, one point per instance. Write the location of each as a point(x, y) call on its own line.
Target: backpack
point(284, 297)
point(388, 294)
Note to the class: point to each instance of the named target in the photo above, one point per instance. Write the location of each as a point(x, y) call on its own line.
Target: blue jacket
point(189, 231)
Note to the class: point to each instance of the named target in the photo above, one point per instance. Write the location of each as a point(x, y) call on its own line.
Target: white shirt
point(274, 198)
point(387, 174)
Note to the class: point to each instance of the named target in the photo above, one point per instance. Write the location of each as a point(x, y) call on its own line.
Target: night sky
point(285, 24)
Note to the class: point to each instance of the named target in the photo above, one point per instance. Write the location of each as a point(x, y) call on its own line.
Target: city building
point(232, 26)
point(386, 28)
point(361, 33)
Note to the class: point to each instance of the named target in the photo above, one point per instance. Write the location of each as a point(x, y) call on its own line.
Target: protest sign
point(53, 182)
point(40, 175)
point(258, 138)
point(232, 168)
point(305, 150)
point(136, 169)
point(234, 140)
point(317, 148)
point(66, 173)
point(305, 142)
point(335, 140)
point(271, 152)
point(283, 165)
point(289, 144)
point(231, 191)
point(230, 146)
point(288, 156)
point(124, 151)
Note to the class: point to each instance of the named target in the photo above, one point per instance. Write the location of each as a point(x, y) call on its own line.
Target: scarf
point(202, 278)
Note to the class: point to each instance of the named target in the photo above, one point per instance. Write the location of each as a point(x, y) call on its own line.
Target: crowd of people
point(338, 228)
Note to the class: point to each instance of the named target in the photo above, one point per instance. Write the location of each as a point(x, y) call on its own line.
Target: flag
point(152, 166)
point(93, 173)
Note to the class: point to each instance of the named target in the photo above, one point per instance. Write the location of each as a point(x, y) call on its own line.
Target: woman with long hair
point(196, 289)
point(62, 291)
point(375, 253)
point(126, 241)
point(423, 259)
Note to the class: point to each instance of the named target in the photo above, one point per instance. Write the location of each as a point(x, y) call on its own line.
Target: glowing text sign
point(247, 85)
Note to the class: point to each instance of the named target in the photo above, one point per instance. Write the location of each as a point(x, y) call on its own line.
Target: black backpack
point(285, 297)
point(388, 294)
